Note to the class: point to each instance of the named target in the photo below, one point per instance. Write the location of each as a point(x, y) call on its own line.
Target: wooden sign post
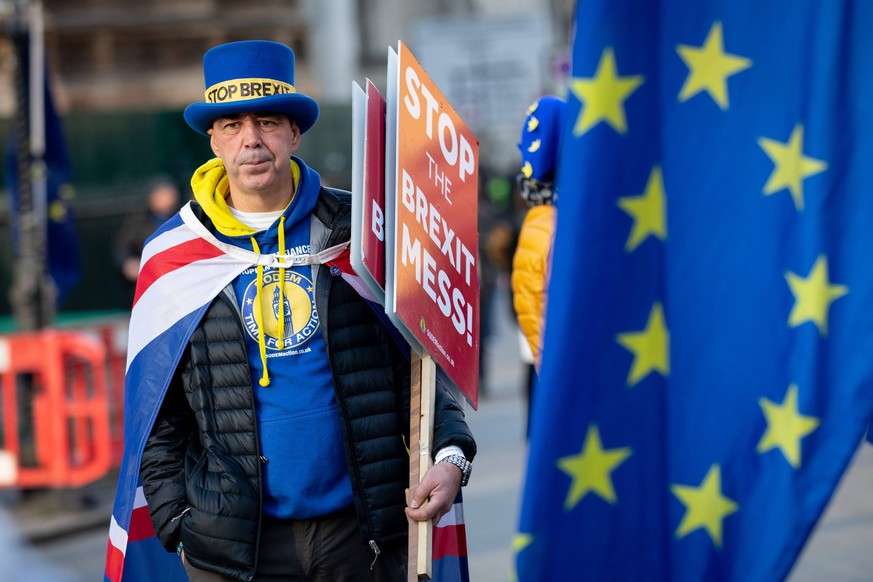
point(423, 389)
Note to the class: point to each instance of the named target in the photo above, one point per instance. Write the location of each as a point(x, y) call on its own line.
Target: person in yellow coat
point(540, 146)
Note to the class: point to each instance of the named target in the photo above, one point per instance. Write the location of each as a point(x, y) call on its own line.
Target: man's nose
point(251, 132)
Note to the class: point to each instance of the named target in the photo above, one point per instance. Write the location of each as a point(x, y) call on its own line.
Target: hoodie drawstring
point(259, 318)
point(281, 342)
point(259, 311)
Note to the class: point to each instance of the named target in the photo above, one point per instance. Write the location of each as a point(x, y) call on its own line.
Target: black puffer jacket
point(201, 465)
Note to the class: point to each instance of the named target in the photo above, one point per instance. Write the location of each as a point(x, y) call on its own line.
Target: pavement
point(838, 550)
point(50, 514)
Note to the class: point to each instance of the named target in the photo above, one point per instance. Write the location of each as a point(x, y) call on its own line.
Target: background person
point(539, 145)
point(161, 204)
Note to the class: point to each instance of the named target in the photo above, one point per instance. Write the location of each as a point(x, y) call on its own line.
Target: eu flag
point(708, 358)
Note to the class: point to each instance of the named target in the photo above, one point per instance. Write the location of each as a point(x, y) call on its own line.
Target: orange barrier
point(55, 410)
point(112, 335)
point(114, 339)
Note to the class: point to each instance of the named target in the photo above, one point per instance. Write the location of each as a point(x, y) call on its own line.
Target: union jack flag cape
point(184, 267)
point(449, 552)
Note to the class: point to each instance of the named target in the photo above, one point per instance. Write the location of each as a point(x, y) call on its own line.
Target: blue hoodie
point(305, 475)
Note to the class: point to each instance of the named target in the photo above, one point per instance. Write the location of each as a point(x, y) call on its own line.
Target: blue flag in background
point(63, 260)
point(708, 358)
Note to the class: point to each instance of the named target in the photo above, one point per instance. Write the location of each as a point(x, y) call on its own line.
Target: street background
point(74, 542)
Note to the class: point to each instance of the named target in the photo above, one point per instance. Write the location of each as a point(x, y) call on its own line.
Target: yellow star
point(791, 166)
point(603, 95)
point(534, 145)
point(527, 170)
point(590, 470)
point(785, 426)
point(709, 67)
point(705, 506)
point(813, 296)
point(519, 543)
point(650, 347)
point(57, 211)
point(533, 123)
point(647, 210)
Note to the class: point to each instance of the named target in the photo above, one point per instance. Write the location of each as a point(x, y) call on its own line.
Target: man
point(278, 450)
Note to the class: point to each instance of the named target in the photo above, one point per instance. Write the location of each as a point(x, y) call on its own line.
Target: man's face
point(256, 149)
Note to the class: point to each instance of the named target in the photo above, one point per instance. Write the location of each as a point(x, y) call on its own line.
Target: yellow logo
point(293, 306)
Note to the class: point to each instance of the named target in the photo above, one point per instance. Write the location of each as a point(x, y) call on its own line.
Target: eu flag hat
point(540, 140)
point(248, 76)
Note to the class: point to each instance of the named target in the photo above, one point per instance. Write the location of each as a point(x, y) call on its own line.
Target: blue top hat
point(250, 75)
point(541, 138)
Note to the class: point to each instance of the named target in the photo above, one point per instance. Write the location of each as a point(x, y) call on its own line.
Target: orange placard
point(436, 285)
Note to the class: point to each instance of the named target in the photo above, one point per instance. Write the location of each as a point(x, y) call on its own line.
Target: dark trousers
point(327, 549)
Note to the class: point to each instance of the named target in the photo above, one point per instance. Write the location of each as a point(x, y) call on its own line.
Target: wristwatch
point(461, 463)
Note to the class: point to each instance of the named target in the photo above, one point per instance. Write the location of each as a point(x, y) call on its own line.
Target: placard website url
point(440, 348)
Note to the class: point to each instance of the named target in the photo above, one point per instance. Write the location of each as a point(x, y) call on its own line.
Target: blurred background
point(122, 71)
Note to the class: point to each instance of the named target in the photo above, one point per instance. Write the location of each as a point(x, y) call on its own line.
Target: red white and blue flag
point(180, 275)
point(184, 267)
point(449, 550)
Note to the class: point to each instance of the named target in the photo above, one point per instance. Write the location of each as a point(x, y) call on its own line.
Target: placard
point(368, 188)
point(434, 292)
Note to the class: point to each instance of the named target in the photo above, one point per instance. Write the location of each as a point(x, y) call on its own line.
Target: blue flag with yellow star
point(707, 372)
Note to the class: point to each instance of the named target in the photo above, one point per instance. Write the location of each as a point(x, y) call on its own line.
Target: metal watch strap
point(461, 463)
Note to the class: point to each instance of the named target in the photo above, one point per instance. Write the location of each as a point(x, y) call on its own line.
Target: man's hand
point(435, 494)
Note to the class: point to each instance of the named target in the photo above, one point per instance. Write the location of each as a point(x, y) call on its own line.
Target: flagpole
point(45, 296)
point(32, 295)
point(37, 100)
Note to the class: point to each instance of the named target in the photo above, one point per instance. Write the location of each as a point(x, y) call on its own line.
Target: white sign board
point(490, 68)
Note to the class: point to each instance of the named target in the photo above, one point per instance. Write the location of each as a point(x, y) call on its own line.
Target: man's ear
point(212, 143)
point(295, 136)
